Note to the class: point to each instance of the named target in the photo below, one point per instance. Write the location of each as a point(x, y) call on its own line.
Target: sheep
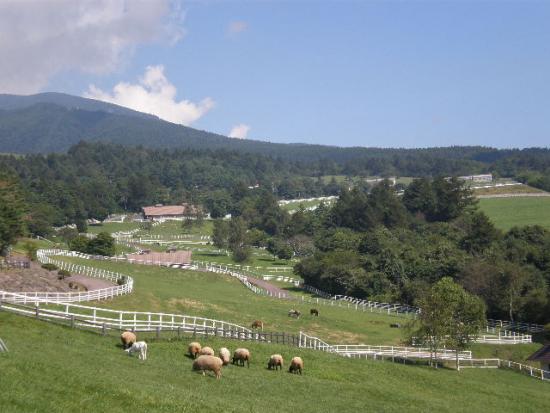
point(276, 360)
point(224, 355)
point(314, 312)
point(194, 349)
point(210, 363)
point(296, 365)
point(207, 351)
point(138, 347)
point(240, 356)
point(128, 338)
point(258, 324)
point(294, 313)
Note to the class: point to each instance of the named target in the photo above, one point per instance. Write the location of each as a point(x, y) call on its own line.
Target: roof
point(542, 354)
point(163, 210)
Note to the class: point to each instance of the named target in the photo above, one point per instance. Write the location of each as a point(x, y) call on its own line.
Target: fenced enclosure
point(124, 284)
point(498, 363)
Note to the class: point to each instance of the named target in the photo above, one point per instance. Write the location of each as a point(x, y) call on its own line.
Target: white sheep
point(138, 347)
point(225, 356)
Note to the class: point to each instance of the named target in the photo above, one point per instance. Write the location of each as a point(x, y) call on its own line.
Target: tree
point(449, 316)
point(12, 212)
point(102, 244)
point(220, 235)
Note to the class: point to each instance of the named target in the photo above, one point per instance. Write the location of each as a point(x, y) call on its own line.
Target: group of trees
point(375, 244)
point(102, 244)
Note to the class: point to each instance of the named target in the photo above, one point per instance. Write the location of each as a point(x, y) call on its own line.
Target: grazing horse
point(314, 312)
point(294, 313)
point(258, 324)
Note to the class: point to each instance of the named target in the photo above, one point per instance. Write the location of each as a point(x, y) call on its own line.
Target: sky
point(346, 73)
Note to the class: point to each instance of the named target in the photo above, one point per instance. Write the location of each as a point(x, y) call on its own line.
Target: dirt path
point(279, 292)
point(90, 283)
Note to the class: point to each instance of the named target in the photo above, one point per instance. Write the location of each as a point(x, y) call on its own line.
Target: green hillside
point(55, 369)
point(517, 211)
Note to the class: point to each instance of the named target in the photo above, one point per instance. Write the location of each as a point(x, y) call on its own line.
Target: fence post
point(72, 320)
point(158, 332)
point(179, 332)
point(37, 311)
point(103, 330)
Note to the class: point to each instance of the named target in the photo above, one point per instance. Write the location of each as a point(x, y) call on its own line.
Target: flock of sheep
point(205, 359)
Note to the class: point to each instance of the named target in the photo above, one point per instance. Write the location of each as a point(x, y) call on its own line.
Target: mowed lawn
point(517, 211)
point(52, 368)
point(224, 298)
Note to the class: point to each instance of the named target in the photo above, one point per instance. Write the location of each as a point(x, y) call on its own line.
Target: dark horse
point(314, 312)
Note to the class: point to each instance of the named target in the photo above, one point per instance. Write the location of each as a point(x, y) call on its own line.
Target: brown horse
point(314, 312)
point(258, 324)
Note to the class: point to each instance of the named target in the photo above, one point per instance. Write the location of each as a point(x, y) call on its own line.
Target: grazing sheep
point(258, 324)
point(294, 313)
point(240, 356)
point(207, 351)
point(224, 355)
point(276, 360)
point(314, 312)
point(194, 349)
point(128, 338)
point(138, 347)
point(210, 363)
point(395, 325)
point(296, 365)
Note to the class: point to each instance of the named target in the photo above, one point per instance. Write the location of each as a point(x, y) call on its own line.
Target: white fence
point(113, 319)
point(498, 363)
point(3, 347)
point(365, 350)
point(515, 325)
point(125, 283)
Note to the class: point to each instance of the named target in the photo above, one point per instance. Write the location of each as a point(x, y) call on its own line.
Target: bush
point(121, 280)
point(49, 267)
point(62, 274)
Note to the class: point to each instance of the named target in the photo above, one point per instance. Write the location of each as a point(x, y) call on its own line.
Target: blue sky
point(353, 73)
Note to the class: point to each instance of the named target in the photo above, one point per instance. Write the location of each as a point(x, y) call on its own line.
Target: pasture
point(222, 297)
point(54, 368)
point(517, 211)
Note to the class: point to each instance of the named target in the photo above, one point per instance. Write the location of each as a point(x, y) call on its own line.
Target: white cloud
point(237, 27)
point(239, 131)
point(156, 95)
point(39, 39)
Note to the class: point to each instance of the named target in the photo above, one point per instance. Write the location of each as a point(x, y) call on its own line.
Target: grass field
point(52, 368)
point(224, 298)
point(517, 211)
point(111, 227)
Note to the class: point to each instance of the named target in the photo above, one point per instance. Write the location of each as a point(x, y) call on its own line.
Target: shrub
point(49, 267)
point(121, 280)
point(62, 274)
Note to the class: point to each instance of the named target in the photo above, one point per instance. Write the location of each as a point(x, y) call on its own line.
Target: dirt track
point(269, 287)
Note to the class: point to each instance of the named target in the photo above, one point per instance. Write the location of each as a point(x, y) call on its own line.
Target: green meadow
point(517, 211)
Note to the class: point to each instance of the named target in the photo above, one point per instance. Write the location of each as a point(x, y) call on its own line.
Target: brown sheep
point(240, 356)
point(314, 312)
point(224, 355)
point(128, 338)
point(296, 365)
point(194, 349)
point(276, 360)
point(207, 351)
point(208, 363)
point(258, 324)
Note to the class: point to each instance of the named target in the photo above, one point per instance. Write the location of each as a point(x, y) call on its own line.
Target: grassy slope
point(225, 298)
point(509, 212)
point(52, 368)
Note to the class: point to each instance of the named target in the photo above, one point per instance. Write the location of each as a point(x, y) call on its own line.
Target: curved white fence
point(112, 319)
point(124, 283)
point(365, 350)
